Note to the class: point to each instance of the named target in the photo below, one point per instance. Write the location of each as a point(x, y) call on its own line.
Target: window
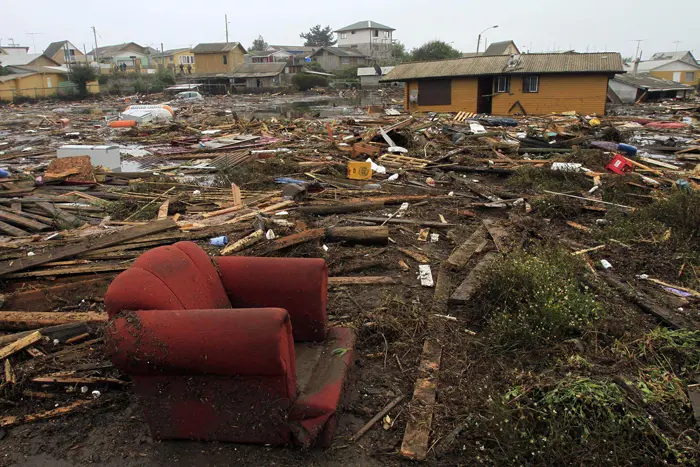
point(435, 92)
point(188, 60)
point(345, 60)
point(225, 59)
point(375, 33)
point(531, 83)
point(387, 34)
point(503, 84)
point(343, 35)
point(48, 83)
point(352, 32)
point(689, 76)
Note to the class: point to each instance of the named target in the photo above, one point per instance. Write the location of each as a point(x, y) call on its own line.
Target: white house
point(369, 77)
point(373, 39)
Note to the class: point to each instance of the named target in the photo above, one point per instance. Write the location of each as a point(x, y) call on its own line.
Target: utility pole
point(33, 41)
point(226, 21)
point(638, 41)
point(94, 33)
point(676, 42)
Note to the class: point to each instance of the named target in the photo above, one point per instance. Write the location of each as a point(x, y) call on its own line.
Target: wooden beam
point(89, 244)
point(323, 210)
point(90, 269)
point(498, 234)
point(58, 212)
point(474, 280)
point(19, 344)
point(12, 420)
point(386, 220)
point(22, 221)
point(463, 253)
point(47, 298)
point(12, 230)
point(360, 280)
point(24, 320)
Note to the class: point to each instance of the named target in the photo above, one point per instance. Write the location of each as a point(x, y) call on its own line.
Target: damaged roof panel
point(258, 70)
point(609, 62)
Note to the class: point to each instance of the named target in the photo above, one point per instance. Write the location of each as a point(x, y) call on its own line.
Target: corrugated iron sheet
point(498, 65)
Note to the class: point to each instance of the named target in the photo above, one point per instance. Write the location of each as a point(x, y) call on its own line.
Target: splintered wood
point(405, 162)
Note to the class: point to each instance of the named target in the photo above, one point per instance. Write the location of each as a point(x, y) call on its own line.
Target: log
point(19, 344)
point(340, 208)
point(89, 244)
point(243, 243)
point(362, 235)
point(22, 221)
point(12, 420)
point(23, 320)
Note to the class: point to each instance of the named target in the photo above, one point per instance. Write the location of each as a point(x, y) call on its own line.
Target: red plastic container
point(619, 165)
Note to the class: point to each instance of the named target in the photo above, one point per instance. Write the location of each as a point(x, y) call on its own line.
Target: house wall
point(668, 71)
point(330, 62)
point(214, 63)
point(627, 93)
point(34, 86)
point(369, 81)
point(585, 94)
point(362, 40)
point(42, 60)
point(176, 60)
point(60, 57)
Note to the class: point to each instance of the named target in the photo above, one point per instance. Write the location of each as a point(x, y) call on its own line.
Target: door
point(677, 76)
point(484, 90)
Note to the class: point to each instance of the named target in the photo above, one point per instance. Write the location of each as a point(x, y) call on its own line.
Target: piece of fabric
point(299, 285)
point(180, 276)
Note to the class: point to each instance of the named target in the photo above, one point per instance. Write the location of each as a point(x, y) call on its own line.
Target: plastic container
point(219, 241)
point(627, 149)
point(4, 173)
point(619, 165)
point(122, 124)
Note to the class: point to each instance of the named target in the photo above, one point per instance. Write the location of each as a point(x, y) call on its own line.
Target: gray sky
point(539, 25)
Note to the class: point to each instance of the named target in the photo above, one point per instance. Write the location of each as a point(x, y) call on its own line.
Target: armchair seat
point(264, 371)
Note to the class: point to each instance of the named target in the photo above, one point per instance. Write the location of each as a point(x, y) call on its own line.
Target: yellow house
point(218, 57)
point(64, 52)
point(32, 84)
point(530, 84)
point(172, 59)
point(684, 71)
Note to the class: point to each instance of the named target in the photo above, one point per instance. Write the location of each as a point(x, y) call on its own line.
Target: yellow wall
point(176, 60)
point(585, 94)
point(214, 63)
point(669, 76)
point(464, 97)
point(42, 60)
point(60, 57)
point(34, 86)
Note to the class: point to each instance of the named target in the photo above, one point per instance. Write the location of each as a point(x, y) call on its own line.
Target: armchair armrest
point(230, 342)
point(299, 285)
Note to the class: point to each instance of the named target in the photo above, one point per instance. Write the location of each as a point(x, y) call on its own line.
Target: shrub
point(533, 299)
point(140, 85)
point(305, 81)
point(81, 74)
point(103, 78)
point(165, 77)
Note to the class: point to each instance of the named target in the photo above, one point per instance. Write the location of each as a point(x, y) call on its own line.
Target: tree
point(398, 52)
point(81, 74)
point(259, 44)
point(319, 37)
point(435, 50)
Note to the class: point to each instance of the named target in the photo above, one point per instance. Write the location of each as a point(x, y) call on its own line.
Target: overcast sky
point(536, 26)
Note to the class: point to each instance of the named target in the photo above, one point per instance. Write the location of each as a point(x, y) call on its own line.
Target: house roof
point(609, 62)
point(651, 83)
point(649, 65)
point(499, 48)
point(262, 53)
point(53, 48)
point(20, 59)
point(679, 55)
point(62, 70)
point(341, 51)
point(370, 71)
point(169, 52)
point(110, 50)
point(216, 47)
point(295, 49)
point(257, 70)
point(365, 25)
point(12, 76)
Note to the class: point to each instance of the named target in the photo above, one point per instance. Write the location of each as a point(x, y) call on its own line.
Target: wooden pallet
point(405, 162)
point(462, 116)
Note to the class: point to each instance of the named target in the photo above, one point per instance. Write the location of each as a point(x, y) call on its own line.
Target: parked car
point(188, 96)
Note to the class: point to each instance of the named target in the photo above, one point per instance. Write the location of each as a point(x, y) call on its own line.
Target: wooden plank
point(76, 380)
point(23, 221)
point(24, 320)
point(323, 210)
point(163, 210)
point(386, 220)
point(12, 420)
point(243, 243)
point(420, 257)
point(58, 212)
point(60, 332)
point(11, 230)
point(47, 298)
point(17, 209)
point(89, 244)
point(20, 344)
point(497, 233)
point(474, 280)
point(93, 268)
point(463, 253)
point(364, 280)
point(10, 376)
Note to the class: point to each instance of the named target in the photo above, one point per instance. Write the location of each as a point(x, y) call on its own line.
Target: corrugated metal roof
point(215, 47)
point(651, 83)
point(365, 25)
point(258, 70)
point(649, 65)
point(609, 62)
point(499, 48)
point(18, 59)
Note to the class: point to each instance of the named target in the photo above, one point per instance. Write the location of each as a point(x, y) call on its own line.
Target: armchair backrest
point(175, 277)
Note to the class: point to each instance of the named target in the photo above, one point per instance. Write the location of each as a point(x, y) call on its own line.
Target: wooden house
point(218, 57)
point(64, 52)
point(531, 84)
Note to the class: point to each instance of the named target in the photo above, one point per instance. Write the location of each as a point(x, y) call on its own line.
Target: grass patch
point(533, 179)
point(534, 299)
point(258, 174)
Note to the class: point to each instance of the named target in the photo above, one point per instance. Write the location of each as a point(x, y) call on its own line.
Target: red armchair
point(238, 350)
